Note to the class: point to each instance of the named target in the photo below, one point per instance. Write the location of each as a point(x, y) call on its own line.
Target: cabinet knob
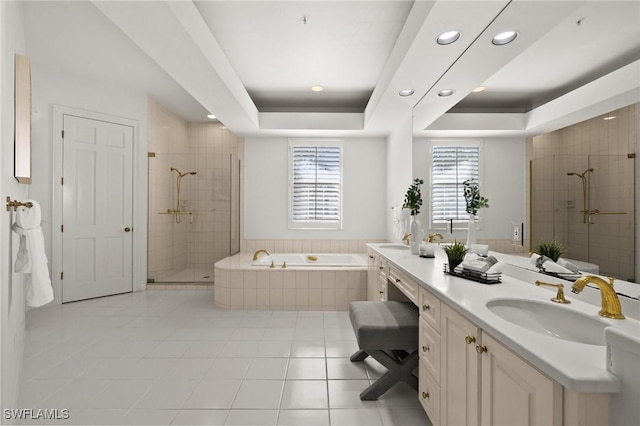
point(381, 292)
point(469, 339)
point(127, 229)
point(370, 257)
point(425, 348)
point(481, 349)
point(425, 395)
point(426, 307)
point(381, 268)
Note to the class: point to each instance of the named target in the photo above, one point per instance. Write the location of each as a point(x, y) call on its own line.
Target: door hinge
point(62, 275)
point(61, 181)
point(62, 134)
point(61, 228)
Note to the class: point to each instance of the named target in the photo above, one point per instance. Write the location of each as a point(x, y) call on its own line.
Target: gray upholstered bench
point(388, 332)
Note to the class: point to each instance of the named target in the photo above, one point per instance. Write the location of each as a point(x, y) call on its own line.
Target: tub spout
point(610, 303)
point(256, 255)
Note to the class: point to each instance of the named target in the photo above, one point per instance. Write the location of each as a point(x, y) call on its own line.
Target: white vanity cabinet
point(459, 373)
point(513, 392)
point(483, 382)
point(376, 276)
point(468, 377)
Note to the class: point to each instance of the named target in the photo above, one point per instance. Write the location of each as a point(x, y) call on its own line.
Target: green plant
point(551, 249)
point(472, 196)
point(455, 253)
point(413, 197)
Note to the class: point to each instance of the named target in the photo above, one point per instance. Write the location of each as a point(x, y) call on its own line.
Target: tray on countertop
point(481, 277)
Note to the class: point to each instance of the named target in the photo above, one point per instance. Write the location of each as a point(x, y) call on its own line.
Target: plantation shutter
point(452, 165)
point(316, 184)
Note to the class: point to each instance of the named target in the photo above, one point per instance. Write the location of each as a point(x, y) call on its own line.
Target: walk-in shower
point(583, 177)
point(593, 218)
point(193, 215)
point(178, 211)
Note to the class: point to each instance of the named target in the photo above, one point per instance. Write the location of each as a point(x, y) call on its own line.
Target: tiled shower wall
point(207, 149)
point(213, 194)
point(557, 199)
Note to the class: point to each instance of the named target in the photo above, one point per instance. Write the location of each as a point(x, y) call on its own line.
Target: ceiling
point(252, 63)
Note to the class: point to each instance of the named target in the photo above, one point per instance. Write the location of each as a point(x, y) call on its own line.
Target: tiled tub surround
point(239, 285)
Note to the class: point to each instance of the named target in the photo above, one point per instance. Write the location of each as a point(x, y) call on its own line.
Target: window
point(315, 188)
point(451, 164)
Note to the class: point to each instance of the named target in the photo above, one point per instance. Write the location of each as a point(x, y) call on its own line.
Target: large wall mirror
point(22, 113)
point(582, 192)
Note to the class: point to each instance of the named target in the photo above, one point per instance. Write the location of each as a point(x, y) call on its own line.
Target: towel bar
point(15, 204)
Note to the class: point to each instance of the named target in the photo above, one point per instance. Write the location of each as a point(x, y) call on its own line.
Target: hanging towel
point(31, 259)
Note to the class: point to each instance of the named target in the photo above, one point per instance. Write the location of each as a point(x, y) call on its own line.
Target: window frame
point(457, 224)
point(314, 224)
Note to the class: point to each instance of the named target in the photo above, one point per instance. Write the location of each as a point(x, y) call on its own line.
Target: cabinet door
point(514, 392)
point(459, 379)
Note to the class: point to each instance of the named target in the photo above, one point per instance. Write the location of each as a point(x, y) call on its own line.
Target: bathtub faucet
point(255, 255)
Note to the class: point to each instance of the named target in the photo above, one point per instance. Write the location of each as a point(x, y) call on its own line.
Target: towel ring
point(15, 204)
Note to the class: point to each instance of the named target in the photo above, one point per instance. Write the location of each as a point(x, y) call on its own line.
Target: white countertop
point(578, 367)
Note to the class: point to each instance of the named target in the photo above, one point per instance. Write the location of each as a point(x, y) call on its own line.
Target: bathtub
point(312, 260)
point(319, 281)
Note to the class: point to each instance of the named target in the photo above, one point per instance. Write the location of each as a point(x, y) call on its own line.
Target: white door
point(97, 211)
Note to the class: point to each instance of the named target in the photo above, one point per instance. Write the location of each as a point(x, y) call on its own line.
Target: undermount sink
point(550, 319)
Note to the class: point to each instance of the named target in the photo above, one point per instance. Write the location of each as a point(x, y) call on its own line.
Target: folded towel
point(570, 266)
point(550, 266)
point(479, 264)
point(497, 268)
point(31, 258)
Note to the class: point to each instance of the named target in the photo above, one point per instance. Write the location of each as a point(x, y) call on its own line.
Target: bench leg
point(359, 356)
point(399, 370)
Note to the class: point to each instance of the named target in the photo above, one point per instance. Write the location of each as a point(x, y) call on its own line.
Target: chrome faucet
point(610, 303)
point(255, 255)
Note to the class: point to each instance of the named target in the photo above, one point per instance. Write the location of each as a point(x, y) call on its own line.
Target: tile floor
point(173, 358)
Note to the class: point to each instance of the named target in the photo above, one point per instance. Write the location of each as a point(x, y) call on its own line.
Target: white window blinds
point(451, 166)
point(316, 186)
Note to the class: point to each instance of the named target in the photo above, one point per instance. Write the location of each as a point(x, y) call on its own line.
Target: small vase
point(471, 231)
point(416, 232)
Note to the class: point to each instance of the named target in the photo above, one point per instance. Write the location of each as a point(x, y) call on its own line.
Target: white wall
point(399, 169)
point(51, 86)
point(503, 183)
point(12, 298)
point(266, 189)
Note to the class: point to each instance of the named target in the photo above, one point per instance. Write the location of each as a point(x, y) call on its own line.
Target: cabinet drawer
point(429, 394)
point(383, 268)
point(404, 283)
point(429, 308)
point(382, 288)
point(429, 349)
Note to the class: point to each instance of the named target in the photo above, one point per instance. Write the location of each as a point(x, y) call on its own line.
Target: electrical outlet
point(515, 232)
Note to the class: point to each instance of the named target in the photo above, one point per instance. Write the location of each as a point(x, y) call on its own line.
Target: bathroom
point(378, 165)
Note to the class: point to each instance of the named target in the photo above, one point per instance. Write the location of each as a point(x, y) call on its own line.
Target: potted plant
point(551, 249)
point(413, 202)
point(475, 202)
point(455, 253)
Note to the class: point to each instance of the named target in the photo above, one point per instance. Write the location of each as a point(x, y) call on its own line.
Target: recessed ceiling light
point(317, 88)
point(611, 117)
point(446, 92)
point(448, 37)
point(504, 38)
point(406, 92)
point(211, 117)
point(479, 89)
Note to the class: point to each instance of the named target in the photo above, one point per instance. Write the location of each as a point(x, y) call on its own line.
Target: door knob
point(127, 229)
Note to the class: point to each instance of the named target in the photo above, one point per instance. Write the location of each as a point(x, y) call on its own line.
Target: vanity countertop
point(576, 366)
